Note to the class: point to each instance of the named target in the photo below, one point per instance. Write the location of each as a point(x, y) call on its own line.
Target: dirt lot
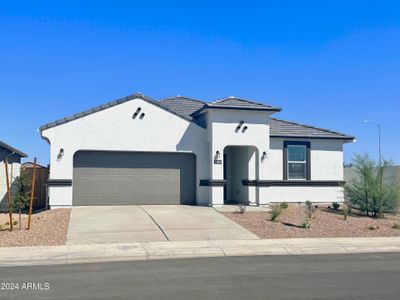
point(48, 228)
point(325, 222)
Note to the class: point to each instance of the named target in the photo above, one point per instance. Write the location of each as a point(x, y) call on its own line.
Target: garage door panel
point(122, 178)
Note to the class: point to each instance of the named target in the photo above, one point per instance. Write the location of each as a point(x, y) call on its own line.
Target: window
point(296, 161)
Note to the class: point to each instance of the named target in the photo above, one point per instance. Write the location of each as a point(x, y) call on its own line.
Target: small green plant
point(372, 227)
point(15, 222)
point(275, 212)
point(306, 224)
point(335, 205)
point(309, 208)
point(2, 227)
point(284, 205)
point(396, 226)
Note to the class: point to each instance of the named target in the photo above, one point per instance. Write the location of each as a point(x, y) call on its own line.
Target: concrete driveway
point(150, 223)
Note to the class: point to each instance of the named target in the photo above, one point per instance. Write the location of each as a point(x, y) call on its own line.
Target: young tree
point(21, 196)
point(365, 192)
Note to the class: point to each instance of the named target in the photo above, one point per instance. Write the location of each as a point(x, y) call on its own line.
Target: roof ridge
point(182, 97)
point(239, 99)
point(313, 127)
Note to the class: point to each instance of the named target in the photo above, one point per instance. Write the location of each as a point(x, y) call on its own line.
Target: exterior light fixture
point(141, 116)
point(217, 157)
point(60, 153)
point(263, 156)
point(244, 129)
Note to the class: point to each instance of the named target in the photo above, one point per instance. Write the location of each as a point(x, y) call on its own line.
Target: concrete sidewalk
point(69, 254)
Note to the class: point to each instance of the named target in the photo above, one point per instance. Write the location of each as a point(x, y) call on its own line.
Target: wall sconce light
point(263, 156)
point(141, 116)
point(217, 155)
point(60, 153)
point(244, 129)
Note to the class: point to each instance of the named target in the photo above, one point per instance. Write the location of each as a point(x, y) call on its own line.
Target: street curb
point(72, 254)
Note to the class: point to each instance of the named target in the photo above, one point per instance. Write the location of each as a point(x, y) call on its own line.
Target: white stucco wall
point(115, 129)
point(326, 159)
point(293, 194)
point(221, 125)
point(326, 164)
point(14, 170)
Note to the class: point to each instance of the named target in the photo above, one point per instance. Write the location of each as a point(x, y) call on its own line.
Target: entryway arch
point(240, 164)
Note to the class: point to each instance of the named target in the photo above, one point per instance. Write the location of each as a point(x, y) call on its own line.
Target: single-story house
point(178, 150)
point(13, 156)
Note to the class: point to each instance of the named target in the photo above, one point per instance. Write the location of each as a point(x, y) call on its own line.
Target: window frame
point(307, 162)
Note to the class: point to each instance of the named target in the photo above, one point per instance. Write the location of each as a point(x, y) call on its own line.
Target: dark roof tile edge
point(12, 149)
point(340, 134)
point(105, 106)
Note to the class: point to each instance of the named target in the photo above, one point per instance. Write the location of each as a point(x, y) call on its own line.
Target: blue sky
point(327, 63)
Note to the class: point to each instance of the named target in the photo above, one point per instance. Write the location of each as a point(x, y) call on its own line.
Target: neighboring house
point(14, 166)
point(178, 150)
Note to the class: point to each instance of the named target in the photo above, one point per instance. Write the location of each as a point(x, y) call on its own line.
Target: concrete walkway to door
point(150, 223)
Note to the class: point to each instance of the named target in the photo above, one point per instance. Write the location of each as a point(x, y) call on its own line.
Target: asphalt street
point(350, 276)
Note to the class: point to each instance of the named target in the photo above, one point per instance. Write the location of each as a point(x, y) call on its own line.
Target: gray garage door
point(123, 178)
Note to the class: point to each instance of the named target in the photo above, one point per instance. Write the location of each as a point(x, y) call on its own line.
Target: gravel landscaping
point(325, 223)
point(48, 228)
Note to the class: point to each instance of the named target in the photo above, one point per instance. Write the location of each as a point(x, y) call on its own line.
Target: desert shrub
point(372, 227)
point(346, 210)
point(309, 209)
point(306, 224)
point(396, 226)
point(2, 227)
point(365, 190)
point(15, 222)
point(335, 205)
point(275, 212)
point(284, 205)
point(241, 209)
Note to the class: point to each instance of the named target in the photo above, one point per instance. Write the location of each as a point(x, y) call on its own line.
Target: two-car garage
point(128, 178)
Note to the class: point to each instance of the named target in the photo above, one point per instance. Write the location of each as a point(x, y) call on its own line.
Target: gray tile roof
point(183, 106)
point(236, 103)
point(12, 149)
point(233, 102)
point(282, 128)
point(105, 106)
point(188, 108)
